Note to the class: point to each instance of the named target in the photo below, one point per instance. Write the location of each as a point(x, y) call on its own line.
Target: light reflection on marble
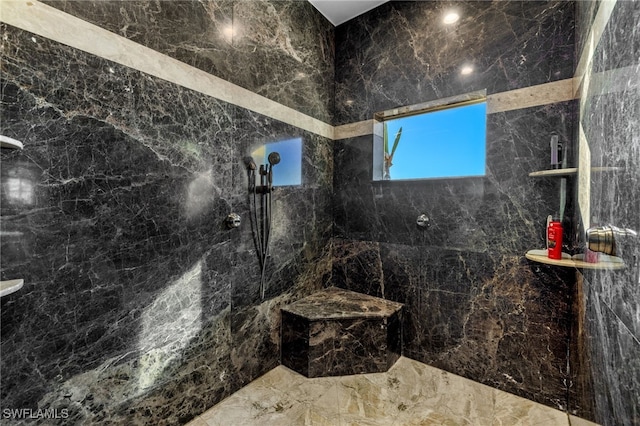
point(410, 393)
point(139, 306)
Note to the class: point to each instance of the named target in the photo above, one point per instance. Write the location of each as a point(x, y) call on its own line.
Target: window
point(289, 170)
point(442, 140)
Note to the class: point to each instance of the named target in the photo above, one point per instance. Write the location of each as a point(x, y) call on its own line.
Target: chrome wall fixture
point(603, 238)
point(261, 210)
point(423, 221)
point(232, 221)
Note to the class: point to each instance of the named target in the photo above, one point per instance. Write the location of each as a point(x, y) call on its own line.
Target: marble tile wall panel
point(349, 346)
point(503, 212)
point(611, 300)
point(615, 359)
point(281, 50)
point(585, 14)
point(138, 303)
point(297, 234)
point(474, 306)
point(394, 325)
point(401, 54)
point(335, 332)
point(295, 343)
point(497, 320)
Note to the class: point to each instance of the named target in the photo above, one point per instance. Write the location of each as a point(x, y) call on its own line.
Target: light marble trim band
point(352, 130)
point(542, 94)
point(46, 21)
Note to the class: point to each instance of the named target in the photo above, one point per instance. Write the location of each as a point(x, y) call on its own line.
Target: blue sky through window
point(445, 143)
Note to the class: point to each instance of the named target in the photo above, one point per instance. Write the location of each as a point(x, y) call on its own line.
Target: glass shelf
point(577, 261)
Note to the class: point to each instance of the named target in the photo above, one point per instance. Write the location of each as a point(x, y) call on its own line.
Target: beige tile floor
point(410, 393)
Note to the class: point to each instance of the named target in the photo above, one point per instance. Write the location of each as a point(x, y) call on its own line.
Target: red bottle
point(554, 240)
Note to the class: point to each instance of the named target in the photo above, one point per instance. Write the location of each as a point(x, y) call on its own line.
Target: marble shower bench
point(337, 332)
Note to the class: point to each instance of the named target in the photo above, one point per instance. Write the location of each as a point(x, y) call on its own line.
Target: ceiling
point(339, 11)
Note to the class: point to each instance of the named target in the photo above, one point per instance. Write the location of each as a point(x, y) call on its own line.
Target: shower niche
point(337, 332)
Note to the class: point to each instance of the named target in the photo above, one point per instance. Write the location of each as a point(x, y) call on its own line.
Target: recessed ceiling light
point(451, 18)
point(466, 70)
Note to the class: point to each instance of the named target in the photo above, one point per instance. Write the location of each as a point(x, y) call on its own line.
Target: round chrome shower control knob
point(232, 221)
point(423, 221)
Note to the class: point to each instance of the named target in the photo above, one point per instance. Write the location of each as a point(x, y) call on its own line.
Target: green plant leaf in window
point(388, 156)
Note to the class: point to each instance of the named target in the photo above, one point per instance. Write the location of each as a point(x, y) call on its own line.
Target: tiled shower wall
point(138, 303)
point(474, 305)
point(609, 301)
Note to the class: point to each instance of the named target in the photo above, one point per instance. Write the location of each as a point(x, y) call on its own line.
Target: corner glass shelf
point(577, 261)
point(10, 286)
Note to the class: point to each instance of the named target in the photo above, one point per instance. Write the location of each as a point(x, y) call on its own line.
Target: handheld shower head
point(248, 161)
point(274, 158)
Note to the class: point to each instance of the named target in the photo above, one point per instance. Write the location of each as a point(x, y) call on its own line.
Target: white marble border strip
point(46, 21)
point(584, 178)
point(353, 130)
point(542, 94)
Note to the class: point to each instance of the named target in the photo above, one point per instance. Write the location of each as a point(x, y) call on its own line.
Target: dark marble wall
point(282, 50)
point(610, 326)
point(402, 54)
point(473, 305)
point(138, 304)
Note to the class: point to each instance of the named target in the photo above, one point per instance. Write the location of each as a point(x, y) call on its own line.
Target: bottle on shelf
point(554, 238)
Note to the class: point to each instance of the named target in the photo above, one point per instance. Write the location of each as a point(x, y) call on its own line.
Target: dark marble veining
point(609, 329)
point(283, 50)
point(498, 320)
point(585, 14)
point(139, 305)
point(473, 305)
point(336, 332)
point(503, 212)
point(402, 54)
point(335, 303)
